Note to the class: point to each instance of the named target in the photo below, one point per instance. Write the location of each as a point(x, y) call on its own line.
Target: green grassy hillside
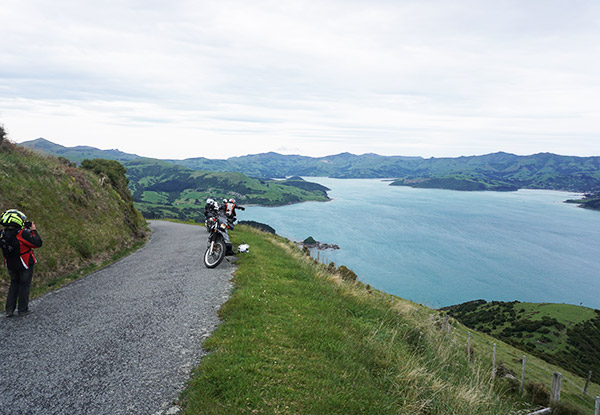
point(299, 337)
point(564, 334)
point(165, 190)
point(81, 216)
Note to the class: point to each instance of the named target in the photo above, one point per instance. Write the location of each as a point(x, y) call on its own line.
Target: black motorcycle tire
point(211, 260)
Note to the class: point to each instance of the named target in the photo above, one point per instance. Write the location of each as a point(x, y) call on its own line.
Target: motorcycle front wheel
point(214, 254)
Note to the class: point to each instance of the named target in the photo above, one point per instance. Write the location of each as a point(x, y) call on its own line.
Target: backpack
point(11, 248)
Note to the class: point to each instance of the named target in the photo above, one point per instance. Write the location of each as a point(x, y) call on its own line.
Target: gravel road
point(122, 340)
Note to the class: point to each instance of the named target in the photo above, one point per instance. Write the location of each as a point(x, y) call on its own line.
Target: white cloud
point(218, 79)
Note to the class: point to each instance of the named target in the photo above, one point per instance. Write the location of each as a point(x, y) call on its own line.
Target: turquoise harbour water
point(443, 247)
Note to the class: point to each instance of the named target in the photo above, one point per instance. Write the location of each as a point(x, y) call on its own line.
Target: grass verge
point(296, 339)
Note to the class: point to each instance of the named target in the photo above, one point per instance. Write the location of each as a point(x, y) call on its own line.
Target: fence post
point(587, 382)
point(523, 374)
point(556, 381)
point(597, 411)
point(469, 347)
point(494, 363)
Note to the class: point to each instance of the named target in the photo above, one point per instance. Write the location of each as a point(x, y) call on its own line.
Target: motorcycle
point(219, 244)
point(211, 210)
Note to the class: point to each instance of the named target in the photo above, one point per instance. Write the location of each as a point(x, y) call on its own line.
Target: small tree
point(2, 133)
point(115, 172)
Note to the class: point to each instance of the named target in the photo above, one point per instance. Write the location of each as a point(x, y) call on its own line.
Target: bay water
point(444, 247)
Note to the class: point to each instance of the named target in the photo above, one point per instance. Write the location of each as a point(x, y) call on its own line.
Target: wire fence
point(572, 385)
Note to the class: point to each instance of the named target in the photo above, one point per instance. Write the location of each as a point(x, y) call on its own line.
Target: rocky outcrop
point(311, 243)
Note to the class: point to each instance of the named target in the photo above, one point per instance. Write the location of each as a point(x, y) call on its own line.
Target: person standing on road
point(17, 240)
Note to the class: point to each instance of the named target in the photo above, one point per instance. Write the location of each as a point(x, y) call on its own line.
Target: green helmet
point(13, 217)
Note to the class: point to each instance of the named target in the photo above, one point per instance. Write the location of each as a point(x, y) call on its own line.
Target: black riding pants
point(18, 292)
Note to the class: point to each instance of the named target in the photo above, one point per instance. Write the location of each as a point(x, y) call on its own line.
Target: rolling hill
point(165, 190)
point(563, 334)
point(497, 171)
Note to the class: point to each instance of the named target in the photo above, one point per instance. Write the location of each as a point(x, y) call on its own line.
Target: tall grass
point(297, 339)
point(537, 370)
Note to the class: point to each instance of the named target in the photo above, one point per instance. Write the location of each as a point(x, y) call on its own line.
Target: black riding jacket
point(28, 240)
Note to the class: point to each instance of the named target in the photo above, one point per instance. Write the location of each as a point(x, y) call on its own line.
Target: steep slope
point(563, 334)
point(300, 337)
point(81, 217)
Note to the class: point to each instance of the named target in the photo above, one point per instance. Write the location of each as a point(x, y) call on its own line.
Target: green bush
point(565, 408)
point(347, 274)
point(538, 393)
point(114, 171)
point(2, 133)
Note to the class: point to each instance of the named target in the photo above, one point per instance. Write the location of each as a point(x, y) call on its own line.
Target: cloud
point(393, 77)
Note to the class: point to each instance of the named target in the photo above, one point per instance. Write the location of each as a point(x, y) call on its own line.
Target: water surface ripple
point(443, 247)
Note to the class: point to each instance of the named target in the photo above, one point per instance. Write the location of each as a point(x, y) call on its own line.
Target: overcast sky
point(192, 78)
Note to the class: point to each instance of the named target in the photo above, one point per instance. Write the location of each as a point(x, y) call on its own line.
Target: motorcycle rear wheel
point(214, 257)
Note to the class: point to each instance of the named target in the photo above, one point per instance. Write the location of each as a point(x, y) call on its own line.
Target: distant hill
point(165, 190)
point(497, 171)
point(563, 334)
point(344, 165)
point(77, 154)
point(503, 171)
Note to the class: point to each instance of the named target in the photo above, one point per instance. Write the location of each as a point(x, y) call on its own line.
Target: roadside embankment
point(86, 218)
point(298, 339)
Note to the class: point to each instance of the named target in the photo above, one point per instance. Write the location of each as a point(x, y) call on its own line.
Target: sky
point(216, 79)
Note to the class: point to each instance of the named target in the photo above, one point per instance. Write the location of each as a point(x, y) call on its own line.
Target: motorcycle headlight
point(223, 226)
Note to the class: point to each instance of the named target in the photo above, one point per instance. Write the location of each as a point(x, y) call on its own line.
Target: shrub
point(2, 133)
point(115, 173)
point(347, 274)
point(512, 385)
point(538, 393)
point(66, 161)
point(504, 372)
point(565, 408)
